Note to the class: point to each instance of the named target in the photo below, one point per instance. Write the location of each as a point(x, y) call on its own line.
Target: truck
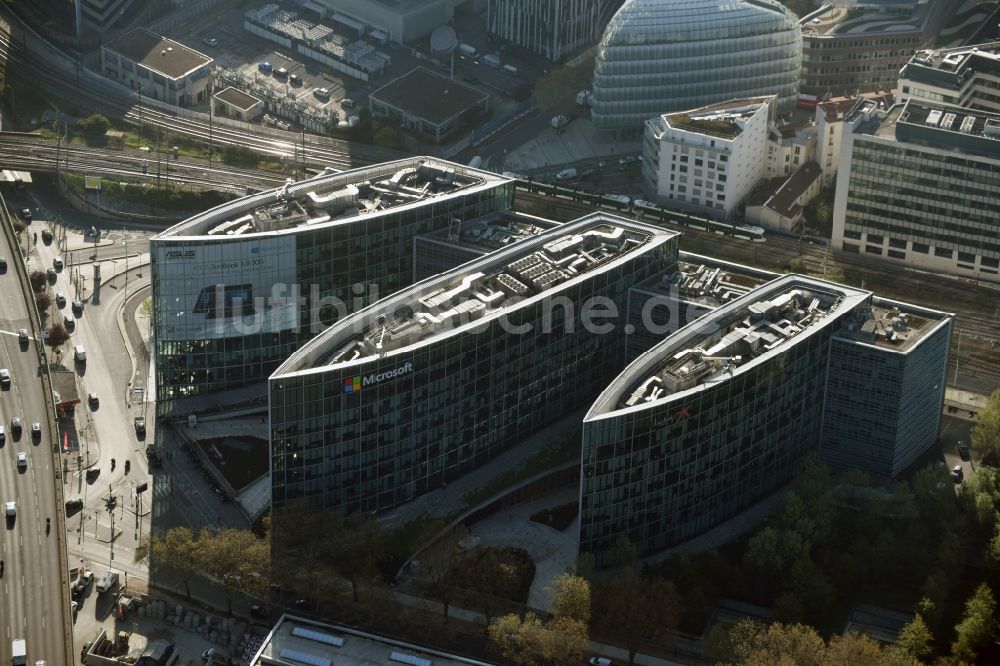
point(468, 50)
point(558, 122)
point(108, 581)
point(19, 652)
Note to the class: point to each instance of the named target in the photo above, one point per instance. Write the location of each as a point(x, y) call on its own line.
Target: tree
point(38, 280)
point(915, 638)
point(517, 640)
point(571, 598)
point(178, 550)
point(361, 546)
point(624, 553)
point(792, 644)
point(43, 302)
point(94, 125)
point(986, 434)
point(233, 557)
point(488, 579)
point(303, 539)
point(635, 609)
point(57, 337)
point(564, 641)
point(851, 649)
point(976, 628)
point(435, 566)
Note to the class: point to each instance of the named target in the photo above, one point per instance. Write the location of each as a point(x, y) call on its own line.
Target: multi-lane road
point(34, 598)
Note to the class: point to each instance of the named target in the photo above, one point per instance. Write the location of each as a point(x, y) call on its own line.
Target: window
point(922, 248)
point(944, 252)
point(896, 254)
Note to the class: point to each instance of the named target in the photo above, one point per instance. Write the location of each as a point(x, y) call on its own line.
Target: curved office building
point(661, 56)
point(715, 417)
point(240, 287)
point(424, 386)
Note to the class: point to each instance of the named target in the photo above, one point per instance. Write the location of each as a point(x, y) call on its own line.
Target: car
point(46, 236)
point(36, 430)
point(78, 307)
point(88, 577)
point(3, 435)
point(60, 299)
point(10, 509)
point(93, 399)
point(74, 503)
point(963, 450)
point(15, 425)
point(69, 322)
point(265, 67)
point(52, 275)
point(322, 93)
point(57, 263)
point(73, 608)
point(22, 336)
point(4, 377)
point(208, 654)
point(26, 215)
point(140, 425)
point(957, 474)
point(281, 73)
point(210, 41)
point(257, 610)
point(22, 460)
point(294, 79)
point(3, 264)
point(347, 103)
point(600, 661)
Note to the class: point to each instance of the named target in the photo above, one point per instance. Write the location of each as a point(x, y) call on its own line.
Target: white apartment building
point(707, 160)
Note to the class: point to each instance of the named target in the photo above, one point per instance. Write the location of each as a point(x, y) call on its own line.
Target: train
point(648, 209)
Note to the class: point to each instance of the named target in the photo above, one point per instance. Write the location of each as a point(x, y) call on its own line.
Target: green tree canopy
point(976, 629)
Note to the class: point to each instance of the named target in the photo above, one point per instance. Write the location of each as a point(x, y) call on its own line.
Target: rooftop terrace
point(480, 290)
point(724, 120)
point(338, 198)
point(867, 18)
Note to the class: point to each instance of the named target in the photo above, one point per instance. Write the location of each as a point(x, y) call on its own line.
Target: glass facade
point(660, 56)
point(917, 203)
point(883, 405)
point(297, 283)
point(372, 434)
point(662, 469)
point(662, 474)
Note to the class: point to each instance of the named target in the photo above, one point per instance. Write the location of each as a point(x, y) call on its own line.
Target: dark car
point(46, 236)
point(26, 215)
point(78, 307)
point(3, 264)
point(963, 450)
point(257, 610)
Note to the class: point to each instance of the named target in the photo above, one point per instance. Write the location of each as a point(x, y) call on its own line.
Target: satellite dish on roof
point(443, 40)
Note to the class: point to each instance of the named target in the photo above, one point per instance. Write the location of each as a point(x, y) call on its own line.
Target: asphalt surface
point(34, 601)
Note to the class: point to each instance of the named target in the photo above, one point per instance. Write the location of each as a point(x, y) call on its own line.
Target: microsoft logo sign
point(355, 383)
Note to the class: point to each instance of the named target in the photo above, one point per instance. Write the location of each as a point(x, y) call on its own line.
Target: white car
point(60, 299)
point(57, 263)
point(210, 41)
point(22, 460)
point(10, 509)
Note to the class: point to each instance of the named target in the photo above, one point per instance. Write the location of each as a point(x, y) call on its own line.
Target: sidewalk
point(968, 403)
point(579, 141)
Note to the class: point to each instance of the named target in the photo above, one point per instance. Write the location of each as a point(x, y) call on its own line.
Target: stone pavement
point(553, 552)
point(579, 141)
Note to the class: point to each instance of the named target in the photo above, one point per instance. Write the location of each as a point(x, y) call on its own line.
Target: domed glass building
point(662, 56)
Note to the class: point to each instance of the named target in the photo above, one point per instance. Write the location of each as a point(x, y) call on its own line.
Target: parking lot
point(221, 35)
